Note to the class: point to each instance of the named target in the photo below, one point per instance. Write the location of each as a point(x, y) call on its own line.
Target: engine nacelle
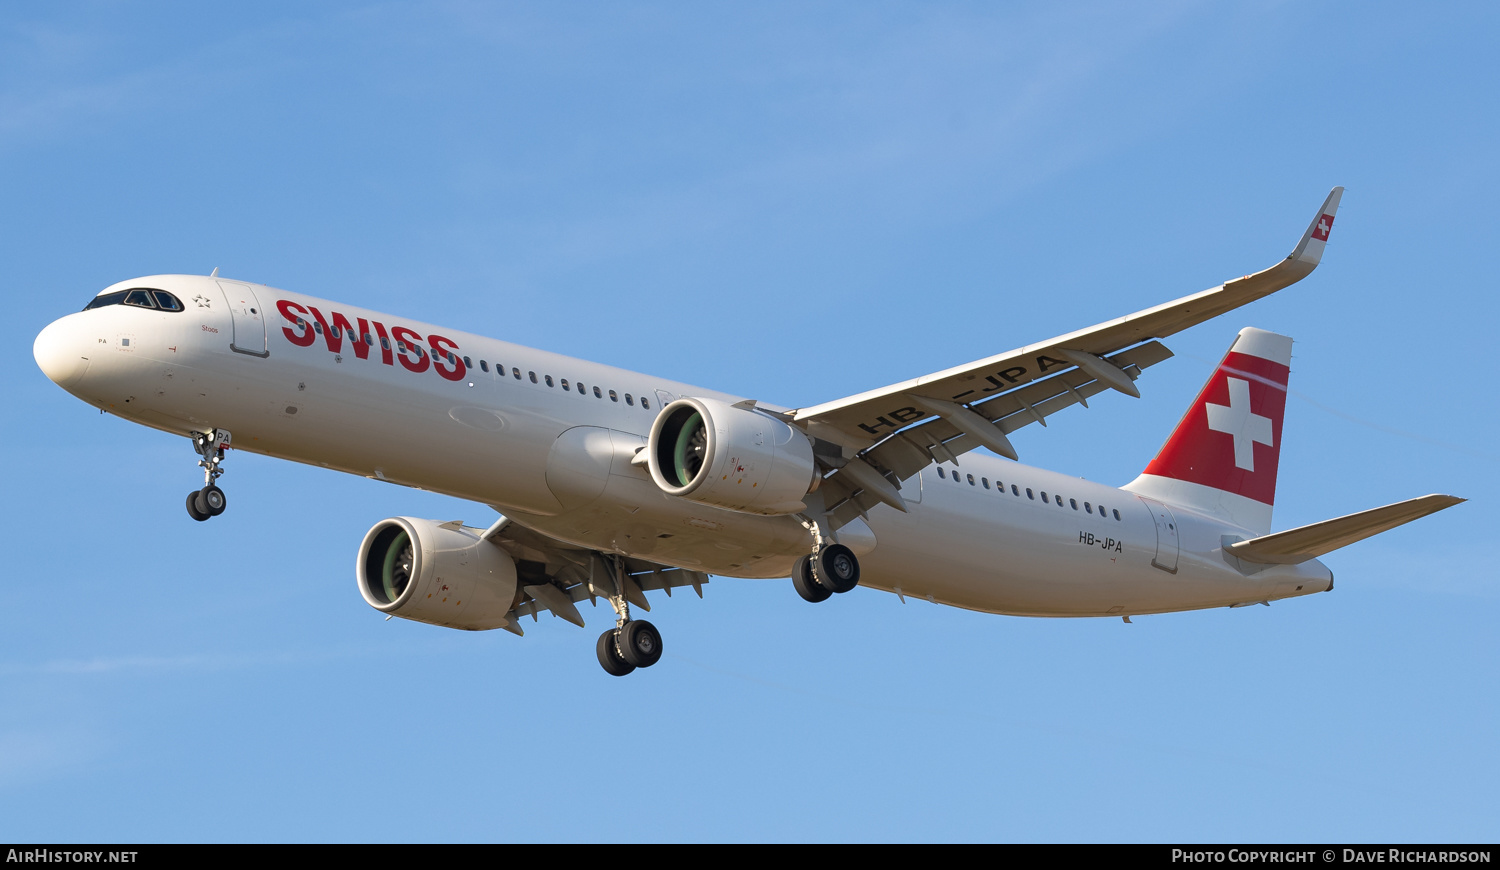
point(439, 573)
point(744, 460)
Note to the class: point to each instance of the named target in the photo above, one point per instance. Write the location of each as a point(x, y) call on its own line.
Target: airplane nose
point(61, 353)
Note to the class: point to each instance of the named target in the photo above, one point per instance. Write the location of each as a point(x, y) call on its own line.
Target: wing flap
point(902, 455)
point(1309, 542)
point(558, 575)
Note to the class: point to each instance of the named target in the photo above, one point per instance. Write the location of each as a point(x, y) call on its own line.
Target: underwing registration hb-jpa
point(614, 484)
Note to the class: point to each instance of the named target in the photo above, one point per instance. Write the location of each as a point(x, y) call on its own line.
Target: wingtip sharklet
point(1310, 249)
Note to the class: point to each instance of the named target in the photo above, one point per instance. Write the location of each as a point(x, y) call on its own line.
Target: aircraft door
point(1167, 547)
point(249, 319)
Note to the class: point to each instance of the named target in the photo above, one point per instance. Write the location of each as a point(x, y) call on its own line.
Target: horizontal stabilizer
point(1310, 542)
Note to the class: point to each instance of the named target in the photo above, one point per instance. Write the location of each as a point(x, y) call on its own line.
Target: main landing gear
point(209, 501)
point(831, 568)
point(636, 644)
point(632, 643)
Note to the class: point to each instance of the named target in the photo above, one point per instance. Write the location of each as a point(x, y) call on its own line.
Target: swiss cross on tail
point(1237, 420)
point(1230, 438)
point(1324, 227)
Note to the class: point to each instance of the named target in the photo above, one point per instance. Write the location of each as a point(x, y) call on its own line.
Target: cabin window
point(1116, 513)
point(369, 340)
point(985, 481)
point(1074, 503)
point(1015, 490)
point(516, 372)
point(385, 343)
point(1029, 495)
point(532, 375)
point(467, 363)
point(613, 397)
point(644, 403)
point(564, 383)
point(597, 394)
point(317, 327)
point(548, 379)
point(484, 366)
point(941, 474)
point(334, 331)
point(629, 401)
point(971, 480)
point(581, 390)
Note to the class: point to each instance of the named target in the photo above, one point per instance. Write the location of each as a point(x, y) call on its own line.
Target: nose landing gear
point(209, 501)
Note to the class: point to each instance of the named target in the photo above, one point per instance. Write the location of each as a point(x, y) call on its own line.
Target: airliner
point(611, 484)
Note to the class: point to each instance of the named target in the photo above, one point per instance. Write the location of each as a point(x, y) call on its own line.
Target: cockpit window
point(105, 299)
point(141, 297)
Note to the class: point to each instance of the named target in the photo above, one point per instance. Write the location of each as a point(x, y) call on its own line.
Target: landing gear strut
point(632, 643)
point(209, 501)
point(829, 569)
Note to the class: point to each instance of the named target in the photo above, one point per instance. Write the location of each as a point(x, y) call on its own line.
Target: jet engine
point(731, 457)
point(438, 573)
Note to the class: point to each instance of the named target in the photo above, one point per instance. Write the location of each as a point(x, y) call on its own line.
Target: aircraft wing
point(555, 576)
point(936, 417)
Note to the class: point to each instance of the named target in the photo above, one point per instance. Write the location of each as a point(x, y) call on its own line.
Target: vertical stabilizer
point(1222, 457)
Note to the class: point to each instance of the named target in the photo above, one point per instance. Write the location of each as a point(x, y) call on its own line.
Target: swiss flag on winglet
point(1230, 438)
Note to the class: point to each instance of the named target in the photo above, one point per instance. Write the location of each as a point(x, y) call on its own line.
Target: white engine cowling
point(740, 459)
point(438, 573)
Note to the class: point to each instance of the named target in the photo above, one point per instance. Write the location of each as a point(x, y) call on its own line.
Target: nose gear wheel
point(209, 501)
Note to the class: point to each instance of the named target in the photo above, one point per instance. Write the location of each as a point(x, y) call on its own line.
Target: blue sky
point(793, 202)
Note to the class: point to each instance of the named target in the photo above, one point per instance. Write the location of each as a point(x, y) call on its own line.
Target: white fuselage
point(555, 459)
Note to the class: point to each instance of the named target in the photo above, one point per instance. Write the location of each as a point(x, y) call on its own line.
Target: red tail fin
point(1222, 457)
